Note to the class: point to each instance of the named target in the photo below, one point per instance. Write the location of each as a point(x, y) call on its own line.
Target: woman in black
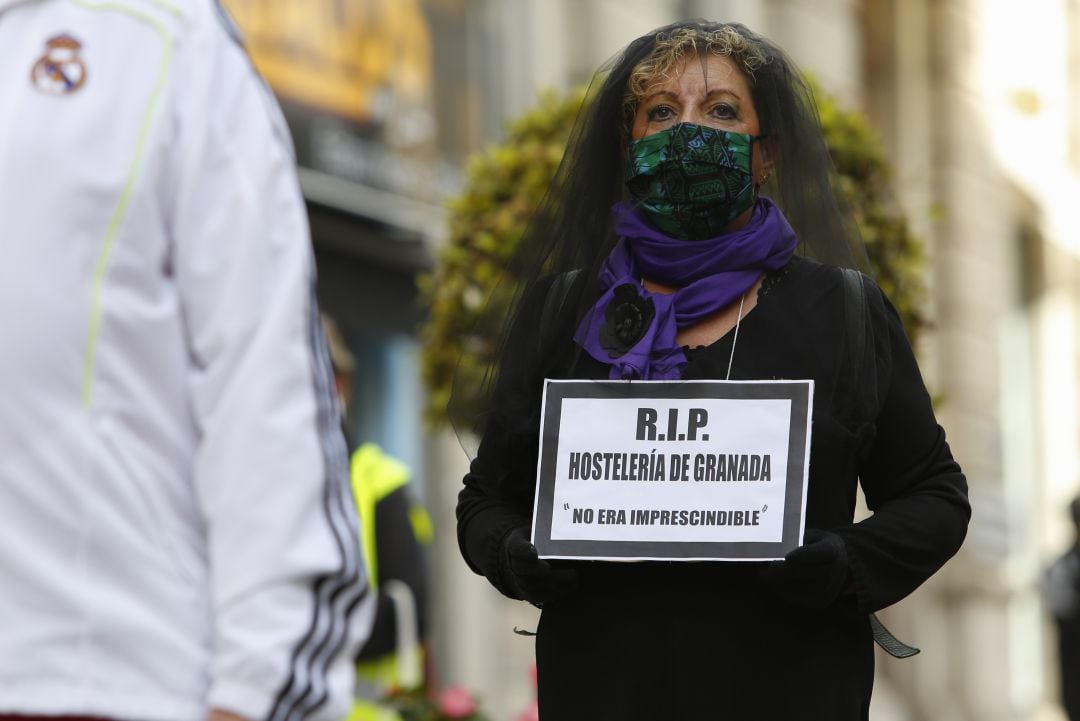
point(692, 233)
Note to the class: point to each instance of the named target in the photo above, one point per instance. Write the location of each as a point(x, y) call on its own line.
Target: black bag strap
point(855, 317)
point(889, 643)
point(553, 301)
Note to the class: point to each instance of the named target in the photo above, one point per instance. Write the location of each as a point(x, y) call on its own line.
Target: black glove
point(812, 575)
point(528, 576)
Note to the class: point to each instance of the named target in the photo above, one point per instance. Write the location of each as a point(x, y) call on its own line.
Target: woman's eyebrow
point(660, 93)
point(722, 91)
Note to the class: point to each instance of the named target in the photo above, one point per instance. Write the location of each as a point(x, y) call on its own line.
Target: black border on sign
point(799, 393)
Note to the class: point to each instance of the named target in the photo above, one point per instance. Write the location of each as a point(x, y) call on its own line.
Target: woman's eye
point(724, 111)
point(660, 112)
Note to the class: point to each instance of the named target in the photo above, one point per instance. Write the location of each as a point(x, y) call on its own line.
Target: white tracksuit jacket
point(176, 527)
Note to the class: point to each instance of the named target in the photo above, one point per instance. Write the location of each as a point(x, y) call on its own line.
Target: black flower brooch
point(626, 319)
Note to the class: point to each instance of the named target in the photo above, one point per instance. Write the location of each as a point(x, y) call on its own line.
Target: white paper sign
point(672, 470)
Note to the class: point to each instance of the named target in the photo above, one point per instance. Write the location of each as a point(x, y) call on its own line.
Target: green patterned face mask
point(691, 180)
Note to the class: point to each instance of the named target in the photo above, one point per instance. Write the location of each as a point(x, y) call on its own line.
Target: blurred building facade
point(978, 105)
point(370, 92)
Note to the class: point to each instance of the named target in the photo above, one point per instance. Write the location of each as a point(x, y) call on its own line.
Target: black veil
point(570, 233)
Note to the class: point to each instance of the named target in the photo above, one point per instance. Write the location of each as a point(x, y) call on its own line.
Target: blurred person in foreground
point(397, 532)
point(177, 538)
point(695, 199)
point(1062, 591)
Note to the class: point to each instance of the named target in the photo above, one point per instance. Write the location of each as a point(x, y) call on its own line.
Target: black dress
point(677, 640)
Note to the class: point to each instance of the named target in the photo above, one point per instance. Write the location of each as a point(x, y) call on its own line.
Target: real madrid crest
point(60, 71)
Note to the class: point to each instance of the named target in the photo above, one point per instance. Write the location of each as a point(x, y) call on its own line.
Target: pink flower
point(456, 702)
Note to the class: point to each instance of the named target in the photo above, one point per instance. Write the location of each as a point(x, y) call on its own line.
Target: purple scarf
point(632, 329)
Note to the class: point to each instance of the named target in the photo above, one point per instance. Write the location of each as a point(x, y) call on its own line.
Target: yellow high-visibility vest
point(374, 476)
